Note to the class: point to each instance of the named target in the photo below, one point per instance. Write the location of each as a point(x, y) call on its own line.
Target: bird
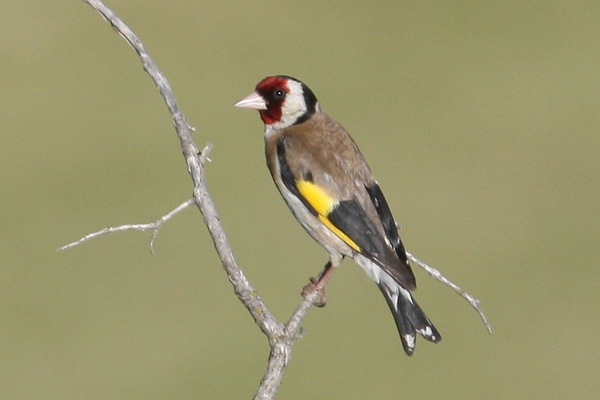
point(330, 189)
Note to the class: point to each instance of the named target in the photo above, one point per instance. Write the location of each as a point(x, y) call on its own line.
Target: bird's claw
point(313, 286)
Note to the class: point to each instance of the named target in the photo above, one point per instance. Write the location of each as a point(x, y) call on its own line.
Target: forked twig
point(152, 226)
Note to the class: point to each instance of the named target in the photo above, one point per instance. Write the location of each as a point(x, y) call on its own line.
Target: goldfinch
point(328, 185)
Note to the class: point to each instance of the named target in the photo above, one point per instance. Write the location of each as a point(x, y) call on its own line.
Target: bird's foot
point(315, 285)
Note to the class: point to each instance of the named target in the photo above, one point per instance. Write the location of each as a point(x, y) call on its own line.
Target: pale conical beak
point(253, 100)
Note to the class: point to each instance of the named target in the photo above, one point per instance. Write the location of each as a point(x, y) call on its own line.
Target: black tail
point(409, 317)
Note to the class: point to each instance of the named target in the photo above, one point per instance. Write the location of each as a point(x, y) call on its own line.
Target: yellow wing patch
point(323, 204)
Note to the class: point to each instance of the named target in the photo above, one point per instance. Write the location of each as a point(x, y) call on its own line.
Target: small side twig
point(152, 226)
point(437, 275)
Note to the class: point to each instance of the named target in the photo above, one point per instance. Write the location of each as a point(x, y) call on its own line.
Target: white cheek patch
point(293, 107)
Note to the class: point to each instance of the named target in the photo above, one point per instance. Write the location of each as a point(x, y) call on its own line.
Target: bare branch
point(152, 226)
point(281, 347)
point(280, 340)
point(437, 275)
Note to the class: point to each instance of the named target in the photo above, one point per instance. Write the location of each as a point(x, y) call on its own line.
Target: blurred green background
point(480, 120)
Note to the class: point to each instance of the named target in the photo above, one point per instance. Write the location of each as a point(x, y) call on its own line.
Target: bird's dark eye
point(279, 94)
